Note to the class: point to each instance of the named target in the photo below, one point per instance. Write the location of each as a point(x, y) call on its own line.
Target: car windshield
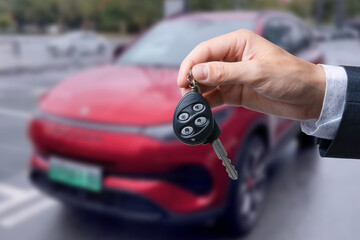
point(168, 43)
point(71, 35)
point(79, 34)
point(344, 36)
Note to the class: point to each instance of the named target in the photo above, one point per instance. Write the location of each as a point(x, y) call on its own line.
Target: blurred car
point(341, 46)
point(326, 34)
point(103, 139)
point(354, 24)
point(77, 43)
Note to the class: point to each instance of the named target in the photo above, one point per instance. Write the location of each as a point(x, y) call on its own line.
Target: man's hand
point(243, 69)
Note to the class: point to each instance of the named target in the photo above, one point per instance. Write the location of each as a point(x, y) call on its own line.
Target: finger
point(205, 89)
point(226, 94)
point(226, 48)
point(184, 91)
point(222, 73)
point(213, 98)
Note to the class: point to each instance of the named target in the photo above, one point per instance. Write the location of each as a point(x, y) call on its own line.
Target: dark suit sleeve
point(346, 143)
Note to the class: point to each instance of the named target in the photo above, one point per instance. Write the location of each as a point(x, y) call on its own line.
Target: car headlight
point(160, 132)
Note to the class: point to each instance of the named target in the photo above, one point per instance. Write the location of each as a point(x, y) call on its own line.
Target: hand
point(243, 69)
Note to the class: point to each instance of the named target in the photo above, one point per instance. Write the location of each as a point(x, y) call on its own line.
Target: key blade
point(219, 149)
point(230, 169)
point(222, 155)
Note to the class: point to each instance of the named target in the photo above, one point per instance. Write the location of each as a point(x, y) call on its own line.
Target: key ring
point(192, 82)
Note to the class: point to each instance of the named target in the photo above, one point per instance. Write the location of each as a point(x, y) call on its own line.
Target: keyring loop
point(192, 83)
point(191, 80)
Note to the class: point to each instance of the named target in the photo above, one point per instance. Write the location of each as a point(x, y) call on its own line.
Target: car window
point(288, 34)
point(276, 32)
point(306, 39)
point(168, 43)
point(343, 36)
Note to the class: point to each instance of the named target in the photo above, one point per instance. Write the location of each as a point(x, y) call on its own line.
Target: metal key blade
point(222, 155)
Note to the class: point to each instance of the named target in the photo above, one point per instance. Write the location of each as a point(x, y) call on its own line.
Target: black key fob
point(193, 121)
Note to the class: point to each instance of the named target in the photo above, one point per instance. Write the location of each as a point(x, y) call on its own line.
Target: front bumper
point(121, 154)
point(119, 203)
point(138, 199)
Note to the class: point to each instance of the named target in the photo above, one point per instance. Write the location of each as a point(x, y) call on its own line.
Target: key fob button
point(200, 121)
point(187, 130)
point(184, 116)
point(198, 107)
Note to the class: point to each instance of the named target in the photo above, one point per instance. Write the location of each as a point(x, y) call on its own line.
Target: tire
point(247, 193)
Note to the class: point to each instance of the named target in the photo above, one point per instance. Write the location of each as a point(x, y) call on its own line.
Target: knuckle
point(259, 71)
point(205, 43)
point(245, 32)
point(183, 64)
point(202, 45)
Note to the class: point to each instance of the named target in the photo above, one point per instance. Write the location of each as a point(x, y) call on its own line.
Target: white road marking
point(15, 201)
point(15, 113)
point(10, 191)
point(27, 213)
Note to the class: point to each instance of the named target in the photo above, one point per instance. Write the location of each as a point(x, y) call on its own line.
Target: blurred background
point(87, 93)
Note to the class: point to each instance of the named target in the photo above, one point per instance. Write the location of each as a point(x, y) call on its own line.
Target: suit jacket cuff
point(347, 139)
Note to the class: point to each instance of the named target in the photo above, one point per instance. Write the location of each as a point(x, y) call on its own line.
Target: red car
point(103, 139)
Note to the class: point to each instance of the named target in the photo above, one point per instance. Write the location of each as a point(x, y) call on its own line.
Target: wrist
point(317, 80)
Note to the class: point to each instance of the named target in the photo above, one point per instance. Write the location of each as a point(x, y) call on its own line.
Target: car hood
point(125, 95)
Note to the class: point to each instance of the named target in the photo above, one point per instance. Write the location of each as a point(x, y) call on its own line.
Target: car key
point(194, 124)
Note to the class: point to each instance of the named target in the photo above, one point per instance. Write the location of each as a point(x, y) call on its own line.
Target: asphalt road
point(307, 197)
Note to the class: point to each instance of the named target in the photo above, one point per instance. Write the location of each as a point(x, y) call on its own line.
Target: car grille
point(193, 178)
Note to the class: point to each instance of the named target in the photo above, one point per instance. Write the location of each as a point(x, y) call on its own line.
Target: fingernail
point(200, 72)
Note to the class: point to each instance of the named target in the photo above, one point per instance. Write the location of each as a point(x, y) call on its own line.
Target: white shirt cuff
point(327, 124)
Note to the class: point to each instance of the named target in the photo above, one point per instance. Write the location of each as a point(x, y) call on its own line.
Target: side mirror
point(118, 51)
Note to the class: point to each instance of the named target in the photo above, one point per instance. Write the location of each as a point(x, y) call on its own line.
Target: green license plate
point(75, 174)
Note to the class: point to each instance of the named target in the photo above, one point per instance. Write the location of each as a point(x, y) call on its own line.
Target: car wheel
point(247, 193)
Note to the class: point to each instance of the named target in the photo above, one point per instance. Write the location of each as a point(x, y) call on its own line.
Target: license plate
point(75, 174)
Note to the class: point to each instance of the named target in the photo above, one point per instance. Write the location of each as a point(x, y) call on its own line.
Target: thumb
point(221, 73)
